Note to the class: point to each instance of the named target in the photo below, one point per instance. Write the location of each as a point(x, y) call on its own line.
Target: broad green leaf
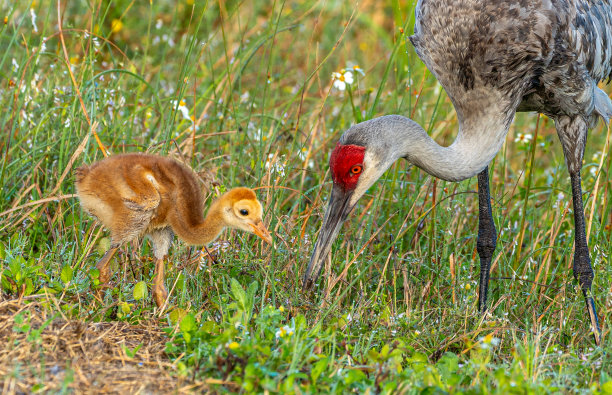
point(252, 290)
point(318, 368)
point(355, 375)
point(126, 308)
point(140, 290)
point(448, 365)
point(188, 323)
point(66, 274)
point(177, 315)
point(103, 245)
point(16, 264)
point(29, 287)
point(239, 294)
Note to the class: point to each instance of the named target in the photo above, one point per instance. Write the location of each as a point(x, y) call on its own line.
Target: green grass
point(256, 77)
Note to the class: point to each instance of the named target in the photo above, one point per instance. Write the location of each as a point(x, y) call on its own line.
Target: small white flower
point(159, 23)
point(168, 40)
point(358, 70)
point(597, 156)
point(489, 341)
point(15, 65)
point(523, 138)
point(284, 331)
point(182, 107)
point(302, 153)
point(342, 79)
point(257, 135)
point(276, 166)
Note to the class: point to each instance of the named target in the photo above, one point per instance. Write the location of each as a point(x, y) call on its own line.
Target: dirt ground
point(42, 351)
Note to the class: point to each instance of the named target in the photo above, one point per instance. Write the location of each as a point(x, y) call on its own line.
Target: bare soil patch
point(41, 351)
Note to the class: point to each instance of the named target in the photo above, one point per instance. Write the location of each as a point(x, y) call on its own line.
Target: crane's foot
point(593, 317)
point(583, 272)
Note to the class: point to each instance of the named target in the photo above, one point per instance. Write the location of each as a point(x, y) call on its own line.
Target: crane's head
point(361, 156)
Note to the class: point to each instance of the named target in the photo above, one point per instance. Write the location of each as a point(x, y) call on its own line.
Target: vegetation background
point(243, 92)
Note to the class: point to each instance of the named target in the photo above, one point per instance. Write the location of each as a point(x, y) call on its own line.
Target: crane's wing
point(484, 46)
point(545, 56)
point(140, 190)
point(589, 30)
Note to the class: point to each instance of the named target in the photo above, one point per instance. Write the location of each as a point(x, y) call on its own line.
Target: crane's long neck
point(200, 232)
point(476, 144)
point(391, 137)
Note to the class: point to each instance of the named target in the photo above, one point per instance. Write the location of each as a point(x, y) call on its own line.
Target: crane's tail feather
point(603, 105)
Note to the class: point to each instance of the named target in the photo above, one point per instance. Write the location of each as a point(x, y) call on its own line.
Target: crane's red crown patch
point(346, 164)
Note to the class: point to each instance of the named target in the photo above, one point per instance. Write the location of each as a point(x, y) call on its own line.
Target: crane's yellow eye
point(356, 169)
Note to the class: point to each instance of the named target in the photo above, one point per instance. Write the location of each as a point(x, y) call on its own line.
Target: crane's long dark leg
point(583, 272)
point(573, 134)
point(487, 236)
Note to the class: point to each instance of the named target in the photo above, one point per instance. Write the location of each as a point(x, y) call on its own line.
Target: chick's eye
point(356, 169)
point(244, 212)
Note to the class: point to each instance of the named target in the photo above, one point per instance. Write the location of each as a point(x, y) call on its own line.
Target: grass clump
point(243, 93)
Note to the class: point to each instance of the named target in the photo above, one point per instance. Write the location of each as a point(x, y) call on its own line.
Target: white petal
point(359, 70)
point(340, 85)
point(185, 111)
point(348, 77)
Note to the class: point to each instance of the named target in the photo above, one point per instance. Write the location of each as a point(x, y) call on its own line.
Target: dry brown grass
point(45, 355)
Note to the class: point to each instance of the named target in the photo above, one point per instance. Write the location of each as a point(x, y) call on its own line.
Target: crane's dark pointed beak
point(337, 211)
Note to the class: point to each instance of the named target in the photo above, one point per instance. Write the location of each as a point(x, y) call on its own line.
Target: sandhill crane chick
point(142, 194)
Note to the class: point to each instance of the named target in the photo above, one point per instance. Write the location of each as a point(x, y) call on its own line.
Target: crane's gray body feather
point(544, 56)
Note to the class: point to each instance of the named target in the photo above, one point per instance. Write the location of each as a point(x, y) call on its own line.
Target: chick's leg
point(104, 263)
point(160, 294)
point(161, 240)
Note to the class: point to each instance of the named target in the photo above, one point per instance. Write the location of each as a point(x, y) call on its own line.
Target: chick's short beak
point(260, 230)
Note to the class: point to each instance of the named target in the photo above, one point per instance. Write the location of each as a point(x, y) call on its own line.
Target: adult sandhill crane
point(141, 194)
point(493, 58)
